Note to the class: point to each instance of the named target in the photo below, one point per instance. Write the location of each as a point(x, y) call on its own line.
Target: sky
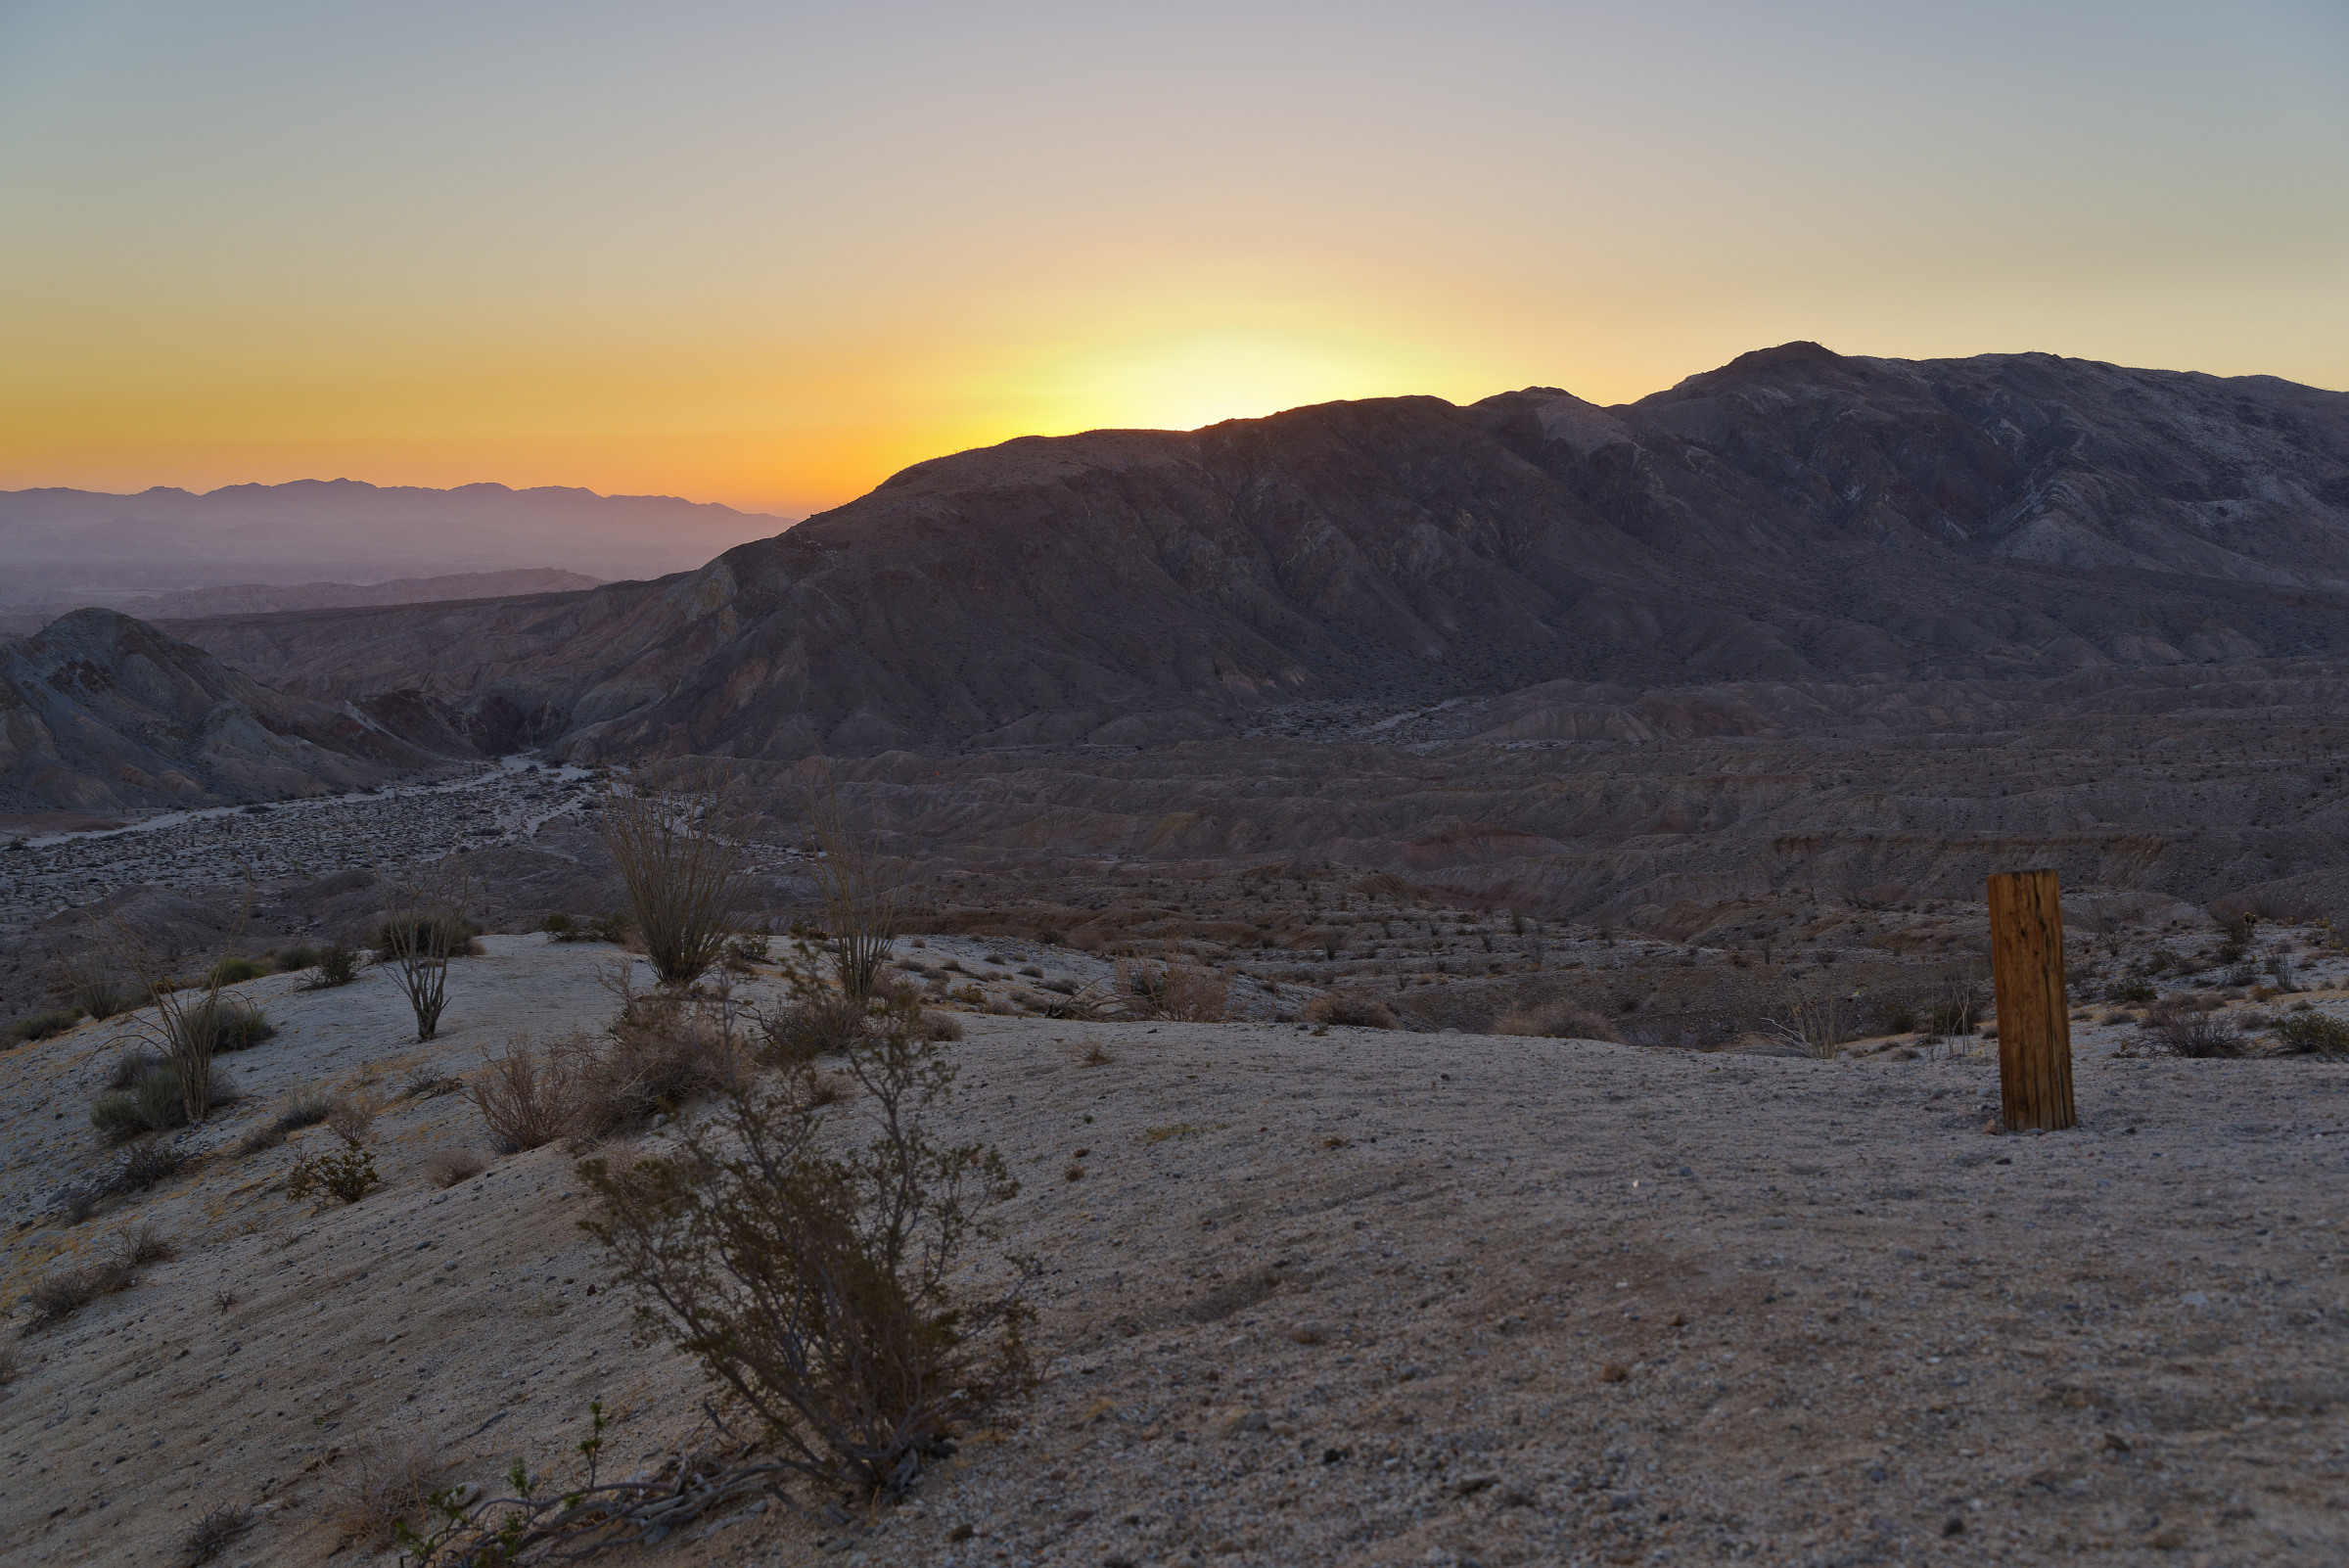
point(769, 253)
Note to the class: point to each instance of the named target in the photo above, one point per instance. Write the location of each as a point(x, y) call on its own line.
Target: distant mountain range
point(252, 598)
point(1796, 515)
point(60, 543)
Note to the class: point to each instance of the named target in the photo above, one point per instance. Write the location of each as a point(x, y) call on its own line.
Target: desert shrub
point(235, 971)
point(811, 1274)
point(345, 1174)
point(2199, 1035)
point(441, 932)
point(40, 1026)
point(2314, 1033)
point(1179, 992)
point(9, 1364)
point(2280, 970)
point(131, 1065)
point(681, 851)
point(302, 1108)
point(939, 1027)
point(213, 1534)
point(382, 1486)
point(140, 1245)
point(528, 1098)
point(1896, 1017)
point(2135, 991)
point(744, 952)
point(147, 1164)
point(659, 1053)
point(1557, 1021)
point(337, 965)
point(293, 961)
point(821, 1023)
point(1091, 1054)
point(559, 927)
point(446, 1167)
point(1352, 1010)
point(63, 1292)
point(227, 1026)
point(350, 1121)
point(153, 1103)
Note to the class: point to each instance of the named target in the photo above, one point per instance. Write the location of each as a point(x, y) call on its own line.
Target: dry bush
point(213, 1534)
point(681, 848)
point(148, 1165)
point(386, 1477)
point(140, 1245)
point(1353, 1010)
point(446, 1167)
point(1179, 992)
point(528, 1097)
point(1557, 1021)
point(350, 1121)
point(659, 1052)
point(821, 1023)
point(815, 1284)
point(1091, 1054)
point(64, 1292)
point(9, 1364)
point(1815, 1018)
point(2200, 1035)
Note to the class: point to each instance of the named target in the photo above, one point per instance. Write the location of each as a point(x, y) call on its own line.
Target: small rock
point(1677, 1320)
point(1954, 1527)
point(1309, 1334)
point(1613, 1372)
point(961, 1532)
point(2115, 1442)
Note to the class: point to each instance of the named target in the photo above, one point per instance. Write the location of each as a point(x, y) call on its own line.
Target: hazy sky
point(768, 254)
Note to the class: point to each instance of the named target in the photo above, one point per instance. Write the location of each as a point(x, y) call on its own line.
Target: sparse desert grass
point(302, 1108)
point(235, 971)
point(1091, 1054)
point(63, 1292)
point(1555, 1021)
point(43, 1024)
point(1353, 1010)
point(1173, 1129)
point(11, 1364)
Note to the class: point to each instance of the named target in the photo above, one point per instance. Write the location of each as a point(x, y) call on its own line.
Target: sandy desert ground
point(1345, 1297)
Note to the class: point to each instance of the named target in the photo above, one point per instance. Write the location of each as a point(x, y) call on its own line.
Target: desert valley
point(1463, 926)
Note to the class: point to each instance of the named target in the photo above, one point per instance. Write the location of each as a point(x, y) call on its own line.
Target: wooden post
point(2034, 1032)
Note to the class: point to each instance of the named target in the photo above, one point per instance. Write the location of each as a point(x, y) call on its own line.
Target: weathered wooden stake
point(2034, 1032)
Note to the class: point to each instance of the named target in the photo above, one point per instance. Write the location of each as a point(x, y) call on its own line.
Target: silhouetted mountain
point(1796, 515)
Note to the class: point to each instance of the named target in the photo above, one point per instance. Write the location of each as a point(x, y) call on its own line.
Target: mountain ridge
point(1794, 514)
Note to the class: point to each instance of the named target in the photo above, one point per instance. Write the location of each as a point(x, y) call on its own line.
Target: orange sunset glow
point(767, 257)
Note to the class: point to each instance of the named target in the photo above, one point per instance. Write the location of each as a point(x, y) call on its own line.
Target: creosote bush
point(2314, 1033)
point(810, 1273)
point(345, 1174)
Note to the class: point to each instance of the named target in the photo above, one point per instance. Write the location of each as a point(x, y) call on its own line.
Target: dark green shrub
point(338, 965)
point(345, 1174)
point(1896, 1017)
point(150, 1104)
point(40, 1026)
point(131, 1065)
point(293, 959)
point(2131, 990)
point(235, 971)
point(222, 1024)
point(2314, 1033)
point(561, 927)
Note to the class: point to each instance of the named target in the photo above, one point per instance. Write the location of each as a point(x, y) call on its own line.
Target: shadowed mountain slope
point(1796, 515)
point(102, 711)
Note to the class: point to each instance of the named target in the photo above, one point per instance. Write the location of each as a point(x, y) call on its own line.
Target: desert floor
point(1346, 1297)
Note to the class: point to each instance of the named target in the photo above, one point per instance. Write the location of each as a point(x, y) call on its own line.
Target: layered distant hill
point(60, 543)
point(1797, 515)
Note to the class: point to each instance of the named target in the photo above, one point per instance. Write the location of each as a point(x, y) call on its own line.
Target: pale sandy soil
point(1349, 1298)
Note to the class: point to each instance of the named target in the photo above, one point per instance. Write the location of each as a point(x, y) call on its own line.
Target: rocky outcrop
point(1795, 516)
point(102, 711)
